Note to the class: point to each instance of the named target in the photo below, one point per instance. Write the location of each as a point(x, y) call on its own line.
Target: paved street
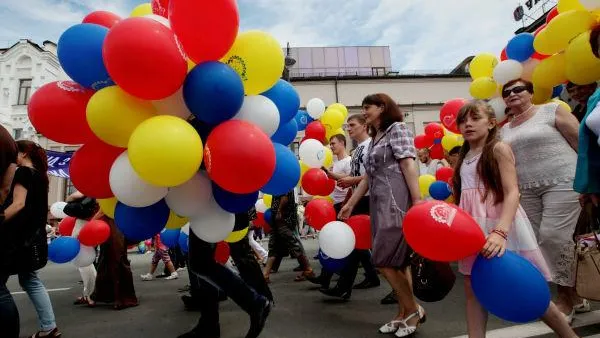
point(300, 312)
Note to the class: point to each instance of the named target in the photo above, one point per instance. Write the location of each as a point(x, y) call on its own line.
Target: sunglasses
point(516, 90)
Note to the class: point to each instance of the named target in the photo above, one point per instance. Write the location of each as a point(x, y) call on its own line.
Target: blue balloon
point(520, 47)
point(510, 287)
point(213, 92)
point(138, 224)
point(286, 174)
point(556, 91)
point(331, 264)
point(79, 51)
point(440, 190)
point(170, 237)
point(233, 203)
point(302, 119)
point(286, 133)
point(286, 98)
point(184, 242)
point(269, 216)
point(63, 249)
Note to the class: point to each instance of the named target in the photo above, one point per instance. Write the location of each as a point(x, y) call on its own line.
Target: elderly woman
point(544, 140)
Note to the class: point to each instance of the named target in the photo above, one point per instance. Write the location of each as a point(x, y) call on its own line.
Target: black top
point(243, 219)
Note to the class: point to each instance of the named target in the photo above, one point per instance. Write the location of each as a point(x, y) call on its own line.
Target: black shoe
point(202, 332)
point(298, 269)
point(389, 299)
point(190, 304)
point(184, 289)
point(317, 280)
point(258, 318)
point(336, 292)
point(366, 284)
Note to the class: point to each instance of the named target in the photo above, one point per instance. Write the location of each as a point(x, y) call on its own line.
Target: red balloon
point(144, 58)
point(239, 157)
point(328, 187)
point(160, 7)
point(449, 112)
point(94, 233)
point(313, 181)
point(423, 141)
point(361, 225)
point(102, 18)
point(90, 167)
point(503, 55)
point(57, 110)
point(435, 130)
point(66, 226)
point(319, 212)
point(260, 219)
point(442, 232)
point(222, 252)
point(148, 242)
point(436, 152)
point(552, 14)
point(315, 130)
point(444, 174)
point(539, 56)
point(206, 29)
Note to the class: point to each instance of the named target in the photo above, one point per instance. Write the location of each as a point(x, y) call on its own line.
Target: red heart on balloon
point(435, 130)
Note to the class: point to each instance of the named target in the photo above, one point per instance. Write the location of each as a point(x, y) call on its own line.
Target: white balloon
point(507, 71)
point(337, 239)
point(173, 105)
point(315, 108)
point(260, 206)
point(159, 18)
point(186, 229)
point(214, 225)
point(129, 188)
point(499, 107)
point(590, 5)
point(56, 209)
point(261, 111)
point(312, 153)
point(85, 257)
point(192, 197)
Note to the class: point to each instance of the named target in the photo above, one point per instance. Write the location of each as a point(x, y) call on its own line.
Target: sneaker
point(174, 275)
point(146, 277)
point(583, 307)
point(180, 269)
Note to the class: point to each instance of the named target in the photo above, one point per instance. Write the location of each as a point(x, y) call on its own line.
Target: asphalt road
point(300, 311)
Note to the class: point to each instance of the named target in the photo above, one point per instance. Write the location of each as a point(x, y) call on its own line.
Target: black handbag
point(83, 208)
point(432, 281)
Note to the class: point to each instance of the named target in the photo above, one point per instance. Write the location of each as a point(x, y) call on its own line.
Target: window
point(378, 71)
point(18, 133)
point(69, 188)
point(24, 91)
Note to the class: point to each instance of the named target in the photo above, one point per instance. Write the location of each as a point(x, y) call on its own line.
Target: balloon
point(550, 72)
point(520, 47)
point(435, 130)
point(482, 65)
point(561, 30)
point(113, 115)
point(107, 206)
point(80, 54)
point(582, 65)
point(192, 197)
point(173, 105)
point(332, 119)
point(590, 5)
point(425, 181)
point(315, 130)
point(286, 133)
point(564, 105)
point(339, 107)
point(160, 7)
point(183, 242)
point(213, 92)
point(499, 107)
point(330, 264)
point(423, 141)
point(165, 151)
point(260, 206)
point(444, 174)
point(511, 274)
point(302, 119)
point(449, 112)
point(442, 232)
point(569, 5)
point(206, 29)
point(164, 21)
point(213, 225)
point(286, 174)
point(529, 67)
point(63, 249)
point(57, 110)
point(269, 216)
point(66, 226)
point(314, 180)
point(240, 157)
point(175, 221)
point(170, 237)
point(141, 10)
point(449, 142)
point(361, 225)
point(556, 91)
point(236, 236)
point(312, 153)
point(286, 98)
point(94, 233)
point(337, 240)
point(503, 54)
point(439, 190)
point(129, 188)
point(222, 253)
point(156, 75)
point(328, 162)
point(541, 95)
point(483, 88)
point(56, 210)
point(330, 134)
point(85, 257)
point(436, 152)
point(89, 168)
point(552, 14)
point(141, 223)
point(260, 111)
point(507, 71)
point(315, 108)
point(268, 199)
point(233, 203)
point(319, 212)
point(102, 18)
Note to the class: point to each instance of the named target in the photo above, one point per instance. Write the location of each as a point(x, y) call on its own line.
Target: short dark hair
point(339, 137)
point(454, 151)
point(528, 85)
point(391, 112)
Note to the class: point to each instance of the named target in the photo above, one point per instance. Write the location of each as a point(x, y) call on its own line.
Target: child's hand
point(494, 246)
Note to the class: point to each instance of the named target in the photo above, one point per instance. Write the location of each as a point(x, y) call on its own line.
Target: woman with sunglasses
point(544, 139)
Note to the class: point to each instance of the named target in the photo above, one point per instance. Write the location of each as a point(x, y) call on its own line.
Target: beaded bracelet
point(501, 233)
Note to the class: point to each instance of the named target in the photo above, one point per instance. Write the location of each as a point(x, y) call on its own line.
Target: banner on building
point(58, 163)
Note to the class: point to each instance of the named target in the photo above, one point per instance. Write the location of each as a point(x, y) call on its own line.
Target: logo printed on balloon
point(70, 86)
point(442, 213)
point(102, 83)
point(238, 64)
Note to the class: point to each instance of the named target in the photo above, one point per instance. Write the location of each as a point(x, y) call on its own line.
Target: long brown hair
point(487, 168)
point(8, 154)
point(38, 157)
point(391, 112)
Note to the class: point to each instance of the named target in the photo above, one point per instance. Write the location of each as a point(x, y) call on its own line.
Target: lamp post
point(289, 62)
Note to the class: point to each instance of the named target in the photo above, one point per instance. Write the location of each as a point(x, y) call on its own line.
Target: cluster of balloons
point(437, 138)
point(438, 187)
point(182, 118)
point(443, 232)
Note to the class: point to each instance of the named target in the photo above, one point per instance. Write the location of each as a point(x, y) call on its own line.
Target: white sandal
point(404, 330)
point(390, 327)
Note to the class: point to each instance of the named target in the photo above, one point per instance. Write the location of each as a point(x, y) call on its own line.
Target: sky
point(422, 34)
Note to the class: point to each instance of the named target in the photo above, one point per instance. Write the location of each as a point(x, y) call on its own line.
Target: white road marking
point(539, 328)
point(49, 290)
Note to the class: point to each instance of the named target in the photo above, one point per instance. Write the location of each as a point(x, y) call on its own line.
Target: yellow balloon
point(425, 181)
point(561, 30)
point(541, 95)
point(165, 151)
point(568, 5)
point(550, 72)
point(108, 205)
point(236, 236)
point(190, 65)
point(483, 65)
point(449, 142)
point(328, 162)
point(327, 198)
point(339, 131)
point(450, 200)
point(332, 119)
point(582, 66)
point(268, 199)
point(258, 58)
point(141, 10)
point(563, 104)
point(113, 115)
point(339, 107)
point(483, 88)
point(175, 221)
